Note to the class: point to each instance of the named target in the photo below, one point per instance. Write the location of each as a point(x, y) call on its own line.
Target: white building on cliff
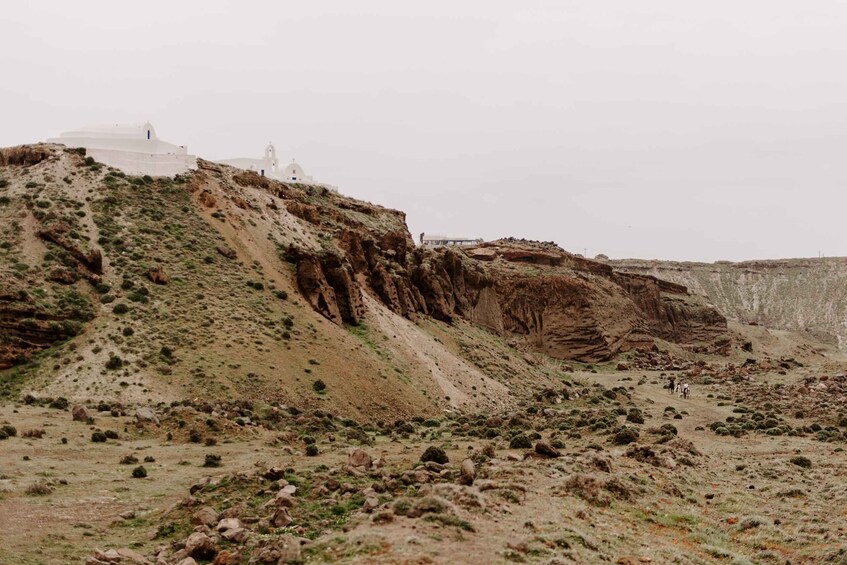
point(268, 166)
point(133, 148)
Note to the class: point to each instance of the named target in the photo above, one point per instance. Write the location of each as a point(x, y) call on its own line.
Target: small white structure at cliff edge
point(268, 166)
point(429, 240)
point(133, 148)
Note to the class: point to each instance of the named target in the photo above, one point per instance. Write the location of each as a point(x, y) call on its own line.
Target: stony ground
point(571, 477)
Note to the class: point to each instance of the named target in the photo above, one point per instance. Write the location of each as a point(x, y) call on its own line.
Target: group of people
point(680, 389)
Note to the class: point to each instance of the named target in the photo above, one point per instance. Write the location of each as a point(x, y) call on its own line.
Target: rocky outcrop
point(92, 261)
point(551, 301)
point(24, 155)
point(26, 328)
point(157, 275)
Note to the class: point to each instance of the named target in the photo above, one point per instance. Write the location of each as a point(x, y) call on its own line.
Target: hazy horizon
point(652, 130)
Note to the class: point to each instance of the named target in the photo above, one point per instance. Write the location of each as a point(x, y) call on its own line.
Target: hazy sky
point(654, 129)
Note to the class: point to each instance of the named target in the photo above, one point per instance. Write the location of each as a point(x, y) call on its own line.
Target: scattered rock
point(226, 557)
point(280, 549)
point(80, 414)
point(228, 524)
point(467, 472)
point(226, 252)
point(281, 518)
point(200, 546)
point(157, 275)
point(144, 415)
point(236, 535)
point(359, 458)
point(546, 450)
point(206, 516)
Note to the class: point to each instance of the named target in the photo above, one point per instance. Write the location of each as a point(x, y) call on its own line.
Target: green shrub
point(435, 454)
point(212, 460)
point(281, 294)
point(114, 362)
point(9, 430)
point(60, 403)
point(625, 435)
point(98, 437)
point(140, 297)
point(120, 308)
point(520, 441)
point(801, 461)
point(312, 450)
point(139, 472)
point(319, 386)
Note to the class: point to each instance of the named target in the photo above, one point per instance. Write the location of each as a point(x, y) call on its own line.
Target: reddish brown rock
point(226, 252)
point(207, 199)
point(79, 413)
point(62, 276)
point(359, 458)
point(206, 516)
point(157, 275)
point(304, 211)
point(281, 517)
point(200, 546)
point(56, 234)
point(24, 155)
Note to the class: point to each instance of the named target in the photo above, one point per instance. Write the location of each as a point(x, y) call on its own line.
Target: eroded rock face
point(26, 327)
point(92, 260)
point(24, 155)
point(565, 306)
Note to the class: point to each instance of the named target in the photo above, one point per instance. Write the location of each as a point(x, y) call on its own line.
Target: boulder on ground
point(206, 516)
point(157, 275)
point(226, 252)
point(546, 450)
point(281, 518)
point(280, 549)
point(226, 557)
point(467, 472)
point(228, 524)
point(144, 415)
point(200, 546)
point(359, 458)
point(80, 414)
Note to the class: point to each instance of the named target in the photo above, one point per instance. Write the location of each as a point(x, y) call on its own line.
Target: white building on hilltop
point(133, 148)
point(268, 166)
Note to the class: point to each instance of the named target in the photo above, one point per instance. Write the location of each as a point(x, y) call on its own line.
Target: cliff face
point(792, 294)
point(547, 299)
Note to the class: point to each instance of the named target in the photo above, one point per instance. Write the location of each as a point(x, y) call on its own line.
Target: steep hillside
point(795, 294)
point(225, 285)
